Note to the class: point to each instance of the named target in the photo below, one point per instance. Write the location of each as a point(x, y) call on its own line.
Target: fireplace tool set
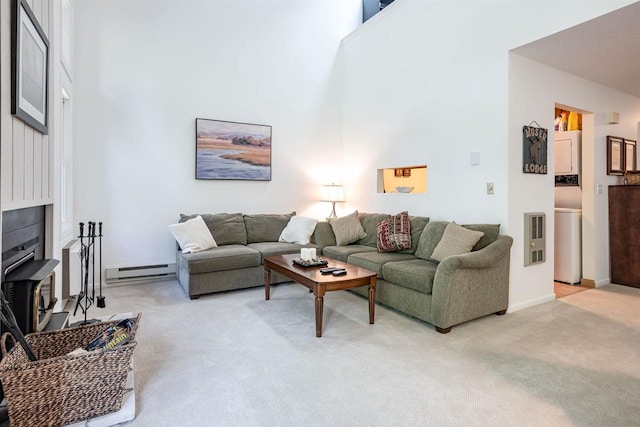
point(87, 264)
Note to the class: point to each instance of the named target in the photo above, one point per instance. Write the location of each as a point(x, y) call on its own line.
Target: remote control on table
point(328, 270)
point(339, 272)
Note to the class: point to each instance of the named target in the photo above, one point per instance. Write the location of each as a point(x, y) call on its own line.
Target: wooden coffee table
point(320, 283)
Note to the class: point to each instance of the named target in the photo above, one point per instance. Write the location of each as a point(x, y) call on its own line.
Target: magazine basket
point(58, 388)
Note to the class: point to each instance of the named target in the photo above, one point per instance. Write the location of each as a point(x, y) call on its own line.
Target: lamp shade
point(332, 193)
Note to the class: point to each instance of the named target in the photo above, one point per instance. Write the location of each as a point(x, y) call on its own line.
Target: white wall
point(427, 82)
point(146, 69)
point(533, 91)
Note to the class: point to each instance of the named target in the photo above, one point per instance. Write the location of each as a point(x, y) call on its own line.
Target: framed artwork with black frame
point(615, 155)
point(232, 150)
point(29, 68)
point(630, 156)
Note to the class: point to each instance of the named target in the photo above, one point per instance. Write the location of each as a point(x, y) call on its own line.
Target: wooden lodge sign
point(534, 150)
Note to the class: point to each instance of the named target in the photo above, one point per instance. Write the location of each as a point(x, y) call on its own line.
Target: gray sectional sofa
point(444, 293)
point(243, 242)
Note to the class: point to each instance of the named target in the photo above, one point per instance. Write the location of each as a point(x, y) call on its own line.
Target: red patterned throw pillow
point(394, 233)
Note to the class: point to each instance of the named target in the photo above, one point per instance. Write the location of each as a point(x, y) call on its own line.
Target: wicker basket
point(59, 389)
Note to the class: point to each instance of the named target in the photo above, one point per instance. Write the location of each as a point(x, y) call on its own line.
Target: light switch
point(489, 187)
point(474, 158)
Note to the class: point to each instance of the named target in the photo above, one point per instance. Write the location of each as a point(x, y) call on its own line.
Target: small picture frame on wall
point(630, 156)
point(406, 173)
point(29, 68)
point(398, 173)
point(615, 155)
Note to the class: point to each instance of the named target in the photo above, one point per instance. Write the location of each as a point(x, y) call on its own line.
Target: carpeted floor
point(235, 359)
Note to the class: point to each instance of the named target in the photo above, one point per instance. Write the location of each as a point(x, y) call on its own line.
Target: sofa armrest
point(485, 257)
point(472, 285)
point(323, 235)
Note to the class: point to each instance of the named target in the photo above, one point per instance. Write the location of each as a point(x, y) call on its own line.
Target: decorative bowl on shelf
point(404, 189)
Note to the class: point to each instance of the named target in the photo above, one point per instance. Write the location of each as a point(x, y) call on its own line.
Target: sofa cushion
point(375, 260)
point(298, 230)
point(192, 235)
point(369, 223)
point(456, 240)
point(323, 235)
point(416, 274)
point(394, 233)
point(430, 238)
point(342, 253)
point(347, 229)
point(226, 229)
point(491, 233)
point(265, 227)
point(417, 227)
point(278, 248)
point(228, 257)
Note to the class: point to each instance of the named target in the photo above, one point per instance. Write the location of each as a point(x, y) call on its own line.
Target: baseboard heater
point(119, 274)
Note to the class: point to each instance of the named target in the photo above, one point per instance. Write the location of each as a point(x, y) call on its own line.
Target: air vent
point(534, 238)
point(139, 272)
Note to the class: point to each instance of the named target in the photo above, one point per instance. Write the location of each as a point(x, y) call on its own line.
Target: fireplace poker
point(81, 294)
point(93, 260)
point(101, 301)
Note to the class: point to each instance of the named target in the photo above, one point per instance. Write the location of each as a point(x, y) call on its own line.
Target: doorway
point(573, 172)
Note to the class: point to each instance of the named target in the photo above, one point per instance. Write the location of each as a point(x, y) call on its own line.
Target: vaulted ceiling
point(605, 50)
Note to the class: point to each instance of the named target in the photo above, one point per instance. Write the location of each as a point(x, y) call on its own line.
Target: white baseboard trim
point(531, 303)
point(603, 282)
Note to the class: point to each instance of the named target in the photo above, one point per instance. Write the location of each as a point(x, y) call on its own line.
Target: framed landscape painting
point(231, 150)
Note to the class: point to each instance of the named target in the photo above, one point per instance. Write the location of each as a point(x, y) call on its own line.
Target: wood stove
point(28, 280)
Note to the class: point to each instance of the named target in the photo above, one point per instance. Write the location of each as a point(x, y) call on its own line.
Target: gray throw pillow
point(226, 229)
point(430, 238)
point(456, 240)
point(347, 229)
point(418, 223)
point(265, 227)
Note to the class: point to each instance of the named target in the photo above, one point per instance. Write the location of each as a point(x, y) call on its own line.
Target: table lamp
point(332, 193)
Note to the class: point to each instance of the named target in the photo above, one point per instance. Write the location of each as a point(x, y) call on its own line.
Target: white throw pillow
point(193, 235)
point(298, 230)
point(456, 240)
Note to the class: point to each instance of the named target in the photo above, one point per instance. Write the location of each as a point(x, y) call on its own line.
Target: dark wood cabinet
point(624, 234)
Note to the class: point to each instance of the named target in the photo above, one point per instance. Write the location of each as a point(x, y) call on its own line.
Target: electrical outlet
point(489, 187)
